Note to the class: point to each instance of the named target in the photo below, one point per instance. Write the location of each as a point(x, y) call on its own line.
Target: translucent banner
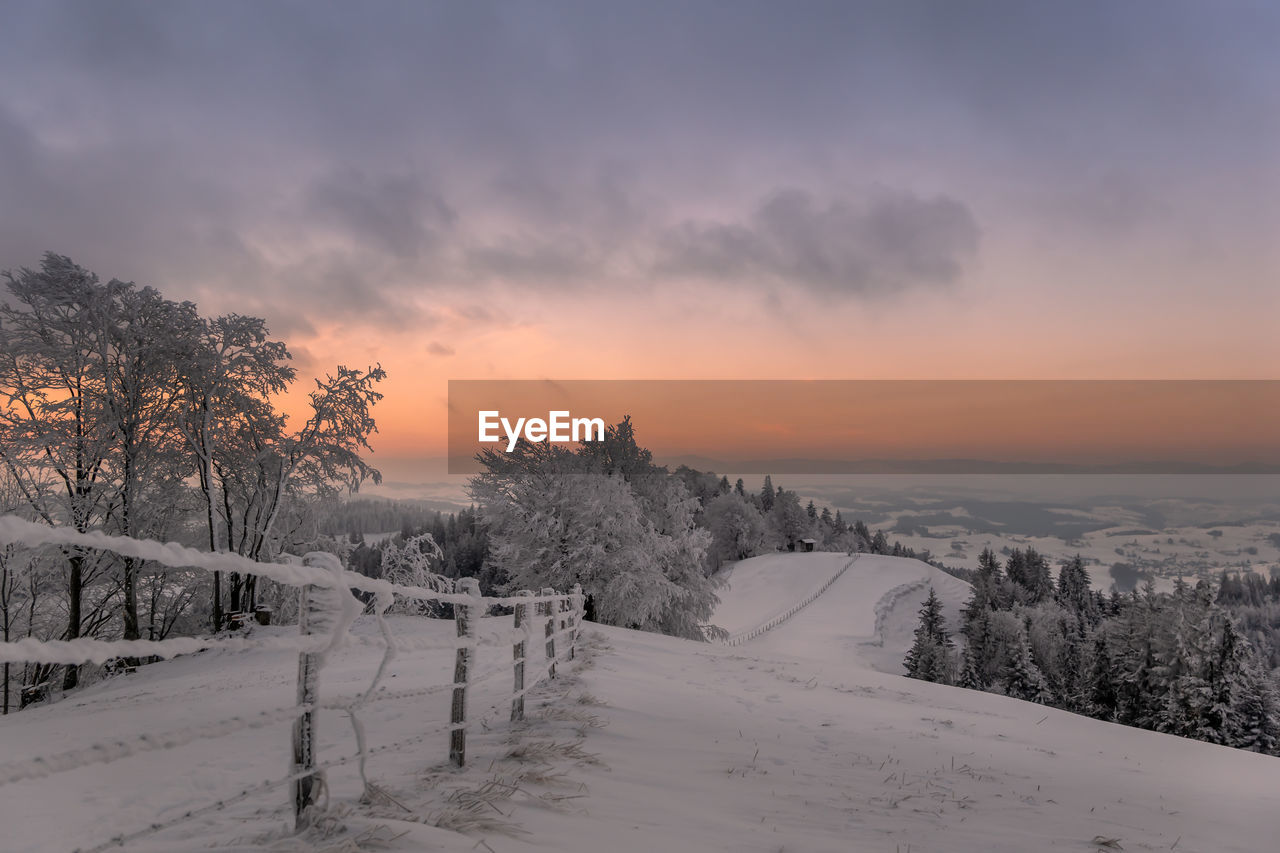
point(888, 426)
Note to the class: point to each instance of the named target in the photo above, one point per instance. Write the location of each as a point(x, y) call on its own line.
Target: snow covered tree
point(1022, 679)
point(879, 543)
point(971, 677)
point(227, 386)
point(737, 529)
point(143, 342)
point(55, 438)
point(1075, 589)
point(1259, 710)
point(410, 565)
point(605, 517)
point(1101, 687)
point(788, 519)
point(930, 657)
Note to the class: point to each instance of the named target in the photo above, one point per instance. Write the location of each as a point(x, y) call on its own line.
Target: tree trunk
point(131, 631)
point(6, 586)
point(76, 563)
point(206, 484)
point(130, 582)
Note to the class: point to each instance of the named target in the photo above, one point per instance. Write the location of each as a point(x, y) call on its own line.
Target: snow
point(803, 739)
point(870, 612)
point(757, 590)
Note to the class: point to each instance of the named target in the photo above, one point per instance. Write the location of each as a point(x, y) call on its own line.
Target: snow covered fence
point(750, 634)
point(326, 613)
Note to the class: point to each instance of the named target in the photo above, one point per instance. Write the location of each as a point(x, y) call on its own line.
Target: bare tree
point(51, 423)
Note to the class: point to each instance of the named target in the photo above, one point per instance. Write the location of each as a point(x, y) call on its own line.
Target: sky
point(562, 190)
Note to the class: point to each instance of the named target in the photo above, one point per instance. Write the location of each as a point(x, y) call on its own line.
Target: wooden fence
point(326, 613)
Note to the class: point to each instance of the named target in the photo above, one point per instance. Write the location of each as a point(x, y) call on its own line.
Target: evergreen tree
point(1022, 679)
point(1102, 688)
point(1072, 688)
point(1137, 697)
point(1015, 568)
point(862, 536)
point(1039, 578)
point(879, 543)
point(1259, 710)
point(930, 656)
point(766, 494)
point(971, 673)
point(1229, 683)
point(1075, 590)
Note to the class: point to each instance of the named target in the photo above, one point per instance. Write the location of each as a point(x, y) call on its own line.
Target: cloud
point(381, 165)
point(889, 242)
point(437, 348)
point(398, 214)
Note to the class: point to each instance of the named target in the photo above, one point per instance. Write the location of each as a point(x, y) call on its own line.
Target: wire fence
point(764, 627)
point(544, 633)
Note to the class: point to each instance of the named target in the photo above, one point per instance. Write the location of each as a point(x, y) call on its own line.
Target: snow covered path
point(870, 611)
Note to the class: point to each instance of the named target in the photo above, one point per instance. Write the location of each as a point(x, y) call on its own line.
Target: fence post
point(314, 604)
point(518, 655)
point(551, 632)
point(575, 594)
point(465, 616)
point(562, 606)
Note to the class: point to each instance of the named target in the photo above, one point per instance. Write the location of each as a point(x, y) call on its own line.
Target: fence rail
point(327, 610)
point(763, 628)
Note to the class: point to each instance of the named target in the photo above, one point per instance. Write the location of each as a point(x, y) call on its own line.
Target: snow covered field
point(801, 740)
point(754, 591)
point(1191, 552)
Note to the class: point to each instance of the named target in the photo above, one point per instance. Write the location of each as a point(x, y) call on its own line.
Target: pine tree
point(1071, 689)
point(766, 494)
point(1015, 568)
point(879, 543)
point(1102, 688)
point(971, 674)
point(1259, 710)
point(1228, 680)
point(1039, 579)
point(1075, 590)
point(862, 536)
point(930, 656)
point(1022, 679)
point(1138, 699)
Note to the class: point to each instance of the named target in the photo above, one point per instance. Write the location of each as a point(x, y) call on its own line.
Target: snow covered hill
point(870, 612)
point(794, 741)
